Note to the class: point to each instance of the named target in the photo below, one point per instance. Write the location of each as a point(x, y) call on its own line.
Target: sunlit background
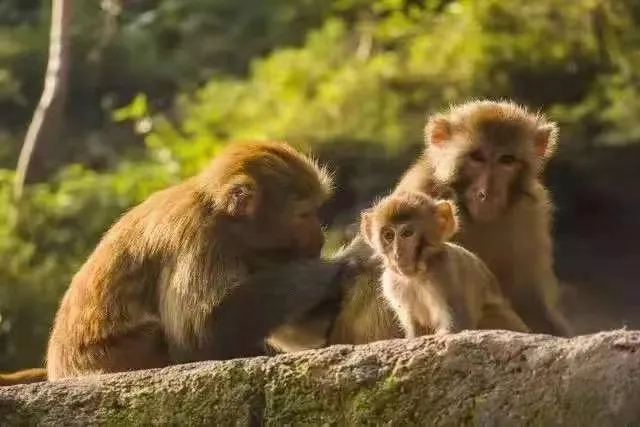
point(157, 87)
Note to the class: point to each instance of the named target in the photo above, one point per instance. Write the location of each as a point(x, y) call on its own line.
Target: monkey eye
point(306, 214)
point(387, 235)
point(477, 156)
point(407, 232)
point(239, 192)
point(507, 159)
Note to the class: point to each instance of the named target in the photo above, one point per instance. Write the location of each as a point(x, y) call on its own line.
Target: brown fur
point(26, 376)
point(433, 285)
point(489, 155)
point(365, 316)
point(154, 291)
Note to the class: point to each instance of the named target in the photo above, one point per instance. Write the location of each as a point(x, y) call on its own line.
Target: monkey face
point(489, 174)
point(304, 228)
point(402, 245)
point(294, 230)
point(267, 196)
point(488, 152)
point(407, 227)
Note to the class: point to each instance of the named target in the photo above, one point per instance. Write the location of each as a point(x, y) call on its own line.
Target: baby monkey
point(433, 285)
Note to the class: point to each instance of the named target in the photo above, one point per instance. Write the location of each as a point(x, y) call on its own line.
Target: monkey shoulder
point(362, 265)
point(167, 219)
point(466, 265)
point(455, 252)
point(356, 250)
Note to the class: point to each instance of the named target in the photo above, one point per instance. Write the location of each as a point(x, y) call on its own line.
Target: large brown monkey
point(154, 288)
point(489, 156)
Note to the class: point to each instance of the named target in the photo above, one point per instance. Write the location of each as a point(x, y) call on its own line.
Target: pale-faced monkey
point(433, 285)
point(489, 155)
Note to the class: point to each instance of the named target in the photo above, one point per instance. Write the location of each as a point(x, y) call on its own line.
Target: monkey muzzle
point(483, 202)
point(485, 206)
point(403, 266)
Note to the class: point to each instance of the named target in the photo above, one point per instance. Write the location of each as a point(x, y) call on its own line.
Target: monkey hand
point(284, 294)
point(349, 270)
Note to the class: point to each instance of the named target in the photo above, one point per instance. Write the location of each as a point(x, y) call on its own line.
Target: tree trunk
point(48, 113)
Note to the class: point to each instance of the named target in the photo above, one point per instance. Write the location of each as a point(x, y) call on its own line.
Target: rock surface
point(489, 378)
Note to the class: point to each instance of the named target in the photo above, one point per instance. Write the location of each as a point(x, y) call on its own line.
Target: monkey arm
point(496, 310)
point(409, 325)
point(475, 284)
point(532, 297)
point(271, 298)
point(460, 316)
point(538, 314)
point(499, 314)
point(418, 329)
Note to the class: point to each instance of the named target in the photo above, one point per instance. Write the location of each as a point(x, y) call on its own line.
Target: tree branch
point(50, 108)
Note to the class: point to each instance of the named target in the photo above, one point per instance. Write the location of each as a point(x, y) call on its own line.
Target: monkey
point(205, 269)
point(433, 285)
point(488, 156)
point(25, 376)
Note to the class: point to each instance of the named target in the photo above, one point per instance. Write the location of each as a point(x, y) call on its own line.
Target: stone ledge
point(485, 378)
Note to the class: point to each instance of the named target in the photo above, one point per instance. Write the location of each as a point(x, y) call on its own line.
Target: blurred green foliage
point(158, 87)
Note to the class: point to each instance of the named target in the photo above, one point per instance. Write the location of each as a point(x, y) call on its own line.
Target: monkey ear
point(447, 218)
point(241, 197)
point(545, 140)
point(438, 130)
point(365, 226)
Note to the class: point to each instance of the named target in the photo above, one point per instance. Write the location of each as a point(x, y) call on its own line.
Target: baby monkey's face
point(403, 245)
point(407, 228)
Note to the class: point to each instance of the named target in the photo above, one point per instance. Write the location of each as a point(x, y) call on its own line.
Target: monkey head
point(408, 227)
point(266, 196)
point(490, 153)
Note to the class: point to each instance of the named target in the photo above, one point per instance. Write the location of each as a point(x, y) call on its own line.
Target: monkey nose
point(482, 195)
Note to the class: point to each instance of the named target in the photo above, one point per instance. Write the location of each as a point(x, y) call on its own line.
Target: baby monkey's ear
point(446, 218)
point(366, 226)
point(240, 197)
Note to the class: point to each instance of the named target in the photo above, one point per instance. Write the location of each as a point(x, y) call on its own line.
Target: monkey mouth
point(410, 265)
point(486, 210)
point(406, 270)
